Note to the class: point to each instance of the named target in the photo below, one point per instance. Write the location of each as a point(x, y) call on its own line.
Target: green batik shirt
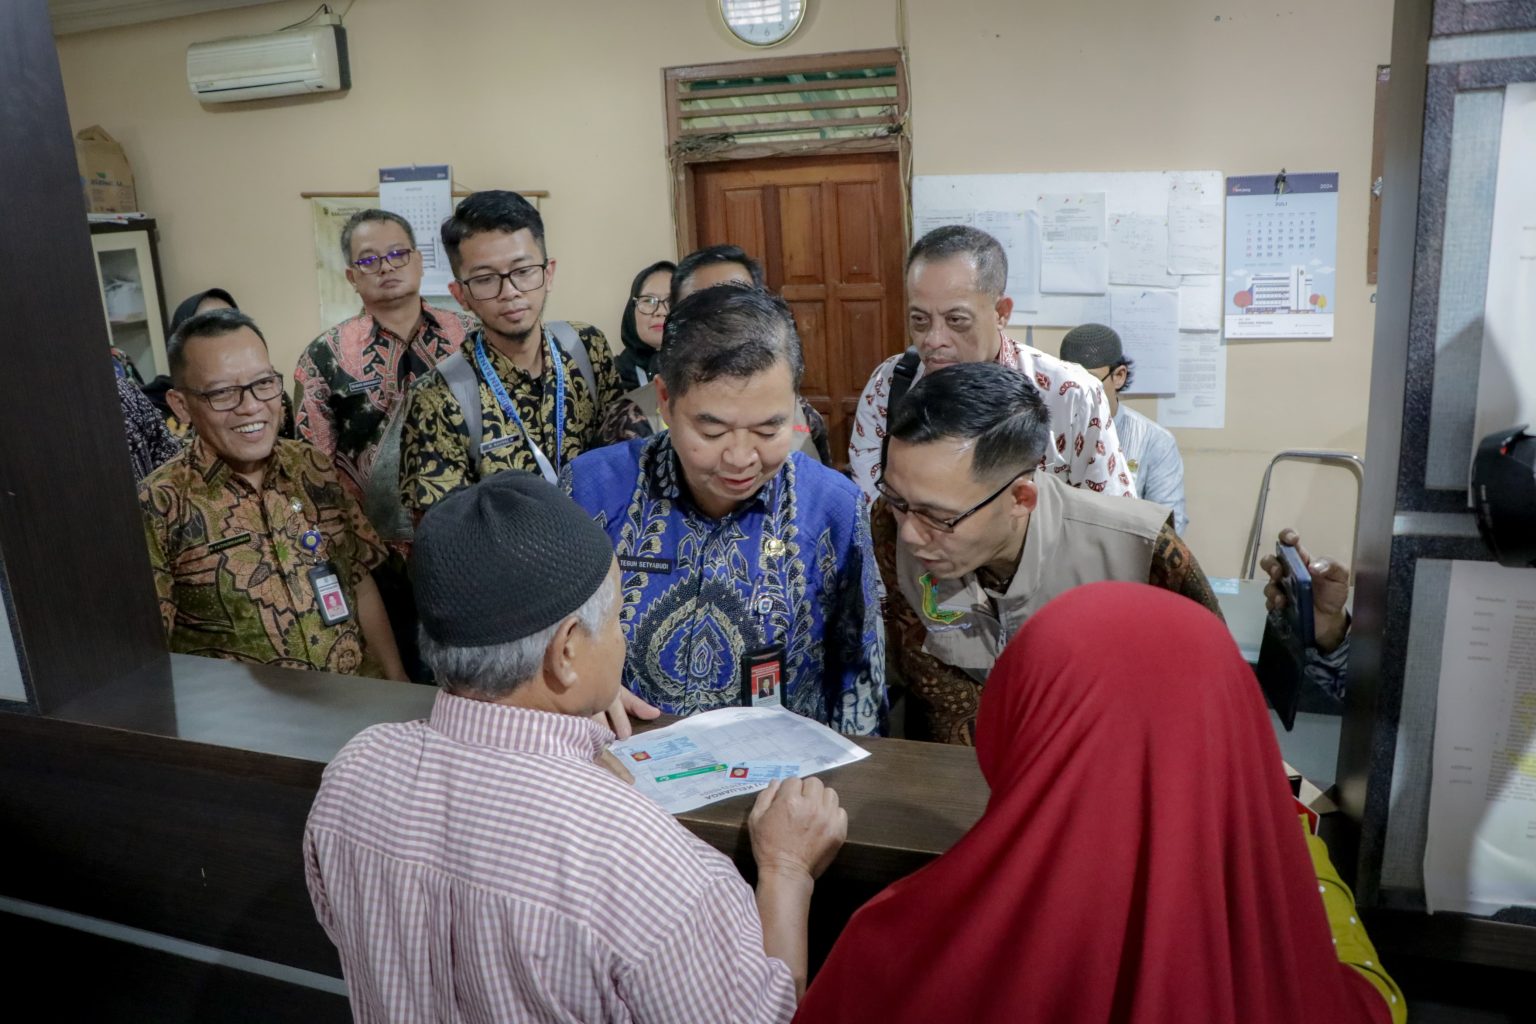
point(231, 563)
point(434, 453)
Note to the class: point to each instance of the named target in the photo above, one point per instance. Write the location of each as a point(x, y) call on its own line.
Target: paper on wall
point(1201, 399)
point(1147, 320)
point(1282, 250)
point(1480, 852)
point(1074, 243)
point(1018, 231)
point(1194, 227)
point(1506, 383)
point(1200, 304)
point(1138, 251)
point(424, 197)
point(927, 220)
point(724, 753)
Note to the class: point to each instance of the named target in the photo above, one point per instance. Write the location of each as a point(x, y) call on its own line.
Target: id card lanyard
point(762, 670)
point(550, 471)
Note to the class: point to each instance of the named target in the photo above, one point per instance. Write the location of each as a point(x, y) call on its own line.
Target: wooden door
point(829, 232)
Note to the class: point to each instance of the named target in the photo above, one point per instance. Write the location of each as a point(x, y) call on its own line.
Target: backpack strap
point(901, 382)
point(465, 386)
point(566, 339)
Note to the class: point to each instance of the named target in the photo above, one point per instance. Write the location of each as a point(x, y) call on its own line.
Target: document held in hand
point(720, 754)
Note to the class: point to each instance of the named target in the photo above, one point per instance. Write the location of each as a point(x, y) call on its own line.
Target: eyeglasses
point(263, 389)
point(650, 304)
point(899, 503)
point(524, 279)
point(396, 258)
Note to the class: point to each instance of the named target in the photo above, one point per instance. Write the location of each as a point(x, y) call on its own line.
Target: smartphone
point(1296, 581)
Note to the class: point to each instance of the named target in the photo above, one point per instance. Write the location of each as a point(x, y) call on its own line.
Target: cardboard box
point(104, 172)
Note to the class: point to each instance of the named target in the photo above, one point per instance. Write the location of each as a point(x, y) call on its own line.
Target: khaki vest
point(1075, 537)
point(650, 407)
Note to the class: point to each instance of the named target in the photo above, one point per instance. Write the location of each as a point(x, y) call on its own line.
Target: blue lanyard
point(509, 408)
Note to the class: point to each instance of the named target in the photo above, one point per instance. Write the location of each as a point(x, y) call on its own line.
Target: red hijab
point(1139, 859)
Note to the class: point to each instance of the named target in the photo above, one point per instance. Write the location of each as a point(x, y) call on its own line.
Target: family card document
point(1480, 853)
point(728, 752)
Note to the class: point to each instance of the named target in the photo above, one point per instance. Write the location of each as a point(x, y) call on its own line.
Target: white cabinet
point(128, 272)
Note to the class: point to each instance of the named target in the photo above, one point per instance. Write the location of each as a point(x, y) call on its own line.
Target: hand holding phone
point(1296, 580)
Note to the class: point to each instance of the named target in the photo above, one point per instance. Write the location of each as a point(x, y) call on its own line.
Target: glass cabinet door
point(130, 297)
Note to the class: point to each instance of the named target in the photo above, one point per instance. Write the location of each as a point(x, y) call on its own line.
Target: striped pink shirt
point(478, 866)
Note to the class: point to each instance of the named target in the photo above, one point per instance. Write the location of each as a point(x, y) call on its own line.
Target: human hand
point(1330, 592)
point(797, 827)
point(625, 704)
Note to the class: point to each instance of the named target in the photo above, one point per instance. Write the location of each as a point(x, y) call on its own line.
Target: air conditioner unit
point(259, 67)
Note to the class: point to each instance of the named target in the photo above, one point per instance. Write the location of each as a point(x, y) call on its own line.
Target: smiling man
point(972, 538)
point(521, 393)
point(956, 310)
point(258, 553)
point(745, 566)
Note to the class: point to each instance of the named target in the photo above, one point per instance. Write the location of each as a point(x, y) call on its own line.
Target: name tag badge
point(500, 442)
point(358, 387)
point(330, 602)
point(762, 678)
point(635, 563)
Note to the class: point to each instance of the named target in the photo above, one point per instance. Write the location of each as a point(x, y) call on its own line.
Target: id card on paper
point(762, 678)
point(330, 602)
point(762, 771)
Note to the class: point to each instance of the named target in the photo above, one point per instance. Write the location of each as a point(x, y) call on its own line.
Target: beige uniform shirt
point(1075, 537)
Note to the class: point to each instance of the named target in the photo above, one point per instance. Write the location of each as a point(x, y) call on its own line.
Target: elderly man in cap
point(485, 865)
point(1151, 453)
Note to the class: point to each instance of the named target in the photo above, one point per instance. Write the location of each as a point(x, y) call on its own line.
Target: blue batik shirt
point(792, 566)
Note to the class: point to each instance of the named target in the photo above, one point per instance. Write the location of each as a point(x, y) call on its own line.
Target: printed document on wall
point(724, 753)
point(1018, 232)
point(1282, 249)
point(1506, 383)
point(424, 197)
point(1138, 251)
point(1147, 320)
point(1480, 855)
point(1194, 227)
point(1201, 400)
point(1074, 243)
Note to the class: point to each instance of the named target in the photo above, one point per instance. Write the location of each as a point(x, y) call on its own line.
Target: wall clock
point(762, 22)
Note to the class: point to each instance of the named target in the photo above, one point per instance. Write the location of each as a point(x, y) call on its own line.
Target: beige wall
point(567, 97)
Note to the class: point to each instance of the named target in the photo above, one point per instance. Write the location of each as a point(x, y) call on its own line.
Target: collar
point(429, 324)
point(509, 372)
point(662, 471)
point(215, 472)
point(967, 593)
point(481, 723)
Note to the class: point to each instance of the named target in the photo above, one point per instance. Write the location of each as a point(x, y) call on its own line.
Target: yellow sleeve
point(1350, 941)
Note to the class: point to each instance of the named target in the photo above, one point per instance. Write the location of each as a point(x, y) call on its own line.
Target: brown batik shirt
point(232, 562)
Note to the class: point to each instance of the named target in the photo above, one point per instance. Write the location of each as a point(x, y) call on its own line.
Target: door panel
point(830, 234)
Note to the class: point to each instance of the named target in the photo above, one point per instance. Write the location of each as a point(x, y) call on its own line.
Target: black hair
point(362, 217)
point(985, 253)
point(212, 323)
point(638, 351)
point(495, 210)
point(690, 264)
point(731, 331)
point(994, 405)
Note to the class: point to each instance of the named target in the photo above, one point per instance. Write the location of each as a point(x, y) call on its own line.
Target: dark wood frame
point(683, 197)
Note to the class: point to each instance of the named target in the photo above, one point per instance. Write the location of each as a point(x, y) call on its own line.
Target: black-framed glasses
point(396, 258)
point(650, 304)
point(899, 503)
point(524, 279)
point(263, 389)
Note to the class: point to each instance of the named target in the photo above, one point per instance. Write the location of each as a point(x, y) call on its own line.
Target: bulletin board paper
point(960, 198)
point(1162, 230)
